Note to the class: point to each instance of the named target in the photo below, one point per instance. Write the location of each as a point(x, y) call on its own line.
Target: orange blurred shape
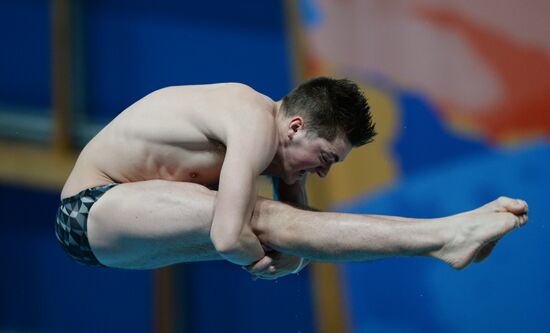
point(523, 71)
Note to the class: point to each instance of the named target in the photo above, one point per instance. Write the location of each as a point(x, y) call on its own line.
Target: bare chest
point(202, 166)
point(189, 163)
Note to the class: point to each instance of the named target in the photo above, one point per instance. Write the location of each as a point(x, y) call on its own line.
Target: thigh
point(151, 224)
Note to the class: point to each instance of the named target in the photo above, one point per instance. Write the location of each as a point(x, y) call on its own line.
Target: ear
point(294, 125)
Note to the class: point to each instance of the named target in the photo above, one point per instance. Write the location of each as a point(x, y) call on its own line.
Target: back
point(175, 133)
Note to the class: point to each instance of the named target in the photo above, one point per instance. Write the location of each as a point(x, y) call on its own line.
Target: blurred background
point(460, 92)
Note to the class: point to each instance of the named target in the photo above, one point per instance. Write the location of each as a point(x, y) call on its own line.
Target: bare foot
point(503, 204)
point(473, 235)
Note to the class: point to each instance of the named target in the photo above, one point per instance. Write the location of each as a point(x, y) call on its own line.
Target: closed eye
point(325, 159)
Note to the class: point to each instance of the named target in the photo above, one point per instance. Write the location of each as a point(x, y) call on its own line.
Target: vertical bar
point(329, 307)
point(68, 71)
point(296, 39)
point(163, 299)
point(61, 73)
point(78, 69)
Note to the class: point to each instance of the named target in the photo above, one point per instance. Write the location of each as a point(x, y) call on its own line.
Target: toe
point(523, 219)
point(525, 206)
point(515, 206)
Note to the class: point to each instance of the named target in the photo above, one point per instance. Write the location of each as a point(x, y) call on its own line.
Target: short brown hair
point(330, 108)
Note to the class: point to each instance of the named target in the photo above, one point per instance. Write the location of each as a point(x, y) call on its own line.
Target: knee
point(274, 223)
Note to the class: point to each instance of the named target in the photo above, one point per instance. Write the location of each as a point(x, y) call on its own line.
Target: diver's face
point(308, 153)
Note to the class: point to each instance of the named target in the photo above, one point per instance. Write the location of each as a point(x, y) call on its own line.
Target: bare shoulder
point(252, 111)
point(233, 107)
point(221, 91)
point(246, 92)
point(244, 97)
point(231, 113)
point(210, 108)
point(250, 124)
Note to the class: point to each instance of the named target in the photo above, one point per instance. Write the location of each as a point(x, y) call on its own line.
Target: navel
point(193, 175)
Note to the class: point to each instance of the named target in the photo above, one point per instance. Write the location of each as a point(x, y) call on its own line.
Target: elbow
point(225, 245)
point(226, 249)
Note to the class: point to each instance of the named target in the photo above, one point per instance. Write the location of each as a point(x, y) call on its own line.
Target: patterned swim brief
point(71, 224)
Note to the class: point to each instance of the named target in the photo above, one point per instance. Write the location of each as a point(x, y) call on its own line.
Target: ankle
point(444, 233)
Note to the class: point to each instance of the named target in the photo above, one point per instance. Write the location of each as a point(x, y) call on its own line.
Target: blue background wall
point(25, 60)
point(132, 50)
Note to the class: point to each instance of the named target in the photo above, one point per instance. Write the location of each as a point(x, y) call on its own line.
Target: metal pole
point(61, 73)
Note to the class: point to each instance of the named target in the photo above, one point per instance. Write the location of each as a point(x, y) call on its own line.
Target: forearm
point(294, 195)
point(230, 232)
point(242, 250)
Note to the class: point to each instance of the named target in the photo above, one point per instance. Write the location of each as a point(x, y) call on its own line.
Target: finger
point(268, 271)
point(259, 265)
